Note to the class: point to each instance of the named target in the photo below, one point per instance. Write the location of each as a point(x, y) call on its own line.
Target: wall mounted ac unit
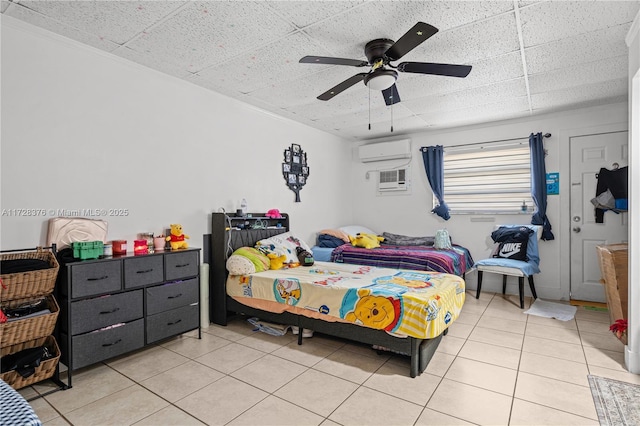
point(382, 151)
point(392, 180)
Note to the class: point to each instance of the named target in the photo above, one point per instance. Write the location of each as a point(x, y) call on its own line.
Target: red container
point(119, 247)
point(140, 247)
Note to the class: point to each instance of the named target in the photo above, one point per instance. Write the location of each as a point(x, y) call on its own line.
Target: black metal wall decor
point(295, 169)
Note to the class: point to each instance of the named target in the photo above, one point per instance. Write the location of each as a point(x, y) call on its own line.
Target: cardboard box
point(614, 260)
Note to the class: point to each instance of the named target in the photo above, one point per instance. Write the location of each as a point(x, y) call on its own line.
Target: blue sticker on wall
point(553, 183)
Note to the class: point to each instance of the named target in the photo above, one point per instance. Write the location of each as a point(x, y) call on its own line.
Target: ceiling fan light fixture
point(381, 79)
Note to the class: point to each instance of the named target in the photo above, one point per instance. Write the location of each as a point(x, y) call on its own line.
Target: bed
point(440, 296)
point(395, 251)
point(456, 261)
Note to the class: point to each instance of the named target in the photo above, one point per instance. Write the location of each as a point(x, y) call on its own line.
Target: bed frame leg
point(300, 330)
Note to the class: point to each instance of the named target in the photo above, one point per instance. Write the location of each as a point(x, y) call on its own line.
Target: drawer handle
point(182, 265)
point(104, 345)
point(146, 271)
point(174, 323)
point(175, 297)
point(110, 312)
point(98, 279)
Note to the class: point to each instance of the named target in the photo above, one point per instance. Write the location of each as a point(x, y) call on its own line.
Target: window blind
point(488, 180)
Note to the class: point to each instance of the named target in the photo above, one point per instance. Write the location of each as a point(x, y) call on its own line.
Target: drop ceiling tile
point(589, 73)
point(484, 72)
point(475, 97)
point(116, 21)
point(581, 95)
point(571, 52)
point(383, 129)
point(39, 20)
point(515, 107)
point(364, 117)
point(562, 19)
point(309, 86)
point(151, 61)
point(208, 33)
point(305, 13)
point(481, 40)
point(264, 67)
point(350, 31)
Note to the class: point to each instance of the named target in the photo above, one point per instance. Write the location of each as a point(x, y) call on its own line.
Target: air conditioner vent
point(392, 180)
point(383, 151)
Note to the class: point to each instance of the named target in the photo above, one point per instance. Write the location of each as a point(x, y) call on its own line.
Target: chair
point(515, 268)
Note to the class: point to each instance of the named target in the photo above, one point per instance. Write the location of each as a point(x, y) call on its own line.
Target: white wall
point(82, 128)
point(411, 214)
point(632, 350)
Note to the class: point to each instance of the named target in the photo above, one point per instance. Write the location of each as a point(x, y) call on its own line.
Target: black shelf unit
point(233, 230)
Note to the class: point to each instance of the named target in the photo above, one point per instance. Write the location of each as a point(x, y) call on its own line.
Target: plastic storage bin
point(88, 250)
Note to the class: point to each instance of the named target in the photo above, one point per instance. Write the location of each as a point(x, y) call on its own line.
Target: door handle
point(576, 229)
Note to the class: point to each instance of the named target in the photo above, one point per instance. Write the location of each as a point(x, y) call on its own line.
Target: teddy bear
point(177, 238)
point(366, 240)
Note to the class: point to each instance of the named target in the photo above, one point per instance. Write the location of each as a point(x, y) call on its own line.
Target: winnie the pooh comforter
point(412, 303)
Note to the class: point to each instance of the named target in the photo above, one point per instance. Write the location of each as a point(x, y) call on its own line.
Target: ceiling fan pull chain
point(391, 118)
point(369, 109)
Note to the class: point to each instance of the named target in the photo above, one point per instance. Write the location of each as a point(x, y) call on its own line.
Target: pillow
point(336, 233)
point(240, 265)
point(258, 259)
point(357, 229)
point(283, 244)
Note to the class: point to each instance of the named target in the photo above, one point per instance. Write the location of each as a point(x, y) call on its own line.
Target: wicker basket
point(45, 370)
point(23, 285)
point(28, 329)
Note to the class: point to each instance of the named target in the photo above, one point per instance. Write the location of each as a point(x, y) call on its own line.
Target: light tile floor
point(496, 366)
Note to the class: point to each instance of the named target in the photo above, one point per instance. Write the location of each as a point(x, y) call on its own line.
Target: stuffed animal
point(277, 262)
point(365, 240)
point(305, 258)
point(177, 238)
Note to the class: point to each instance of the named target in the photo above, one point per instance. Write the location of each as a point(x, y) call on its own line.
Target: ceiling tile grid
point(574, 52)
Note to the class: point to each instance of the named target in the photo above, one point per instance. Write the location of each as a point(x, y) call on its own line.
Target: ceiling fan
point(382, 75)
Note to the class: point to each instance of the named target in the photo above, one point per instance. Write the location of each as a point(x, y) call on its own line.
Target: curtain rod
point(546, 135)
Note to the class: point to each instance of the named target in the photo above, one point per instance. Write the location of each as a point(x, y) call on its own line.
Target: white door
point(588, 154)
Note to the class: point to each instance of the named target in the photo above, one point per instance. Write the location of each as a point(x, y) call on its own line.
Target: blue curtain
point(539, 186)
point(433, 157)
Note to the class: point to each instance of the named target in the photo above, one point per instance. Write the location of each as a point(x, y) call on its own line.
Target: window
point(488, 179)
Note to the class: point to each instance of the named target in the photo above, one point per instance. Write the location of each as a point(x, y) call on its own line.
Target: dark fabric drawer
point(181, 265)
point(95, 278)
point(92, 314)
point(100, 345)
point(142, 271)
point(170, 296)
point(170, 323)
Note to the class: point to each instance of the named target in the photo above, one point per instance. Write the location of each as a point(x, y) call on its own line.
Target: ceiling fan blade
point(391, 95)
point(341, 87)
point(333, 61)
point(410, 40)
point(449, 70)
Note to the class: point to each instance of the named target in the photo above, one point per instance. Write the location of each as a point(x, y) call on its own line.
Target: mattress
point(402, 302)
point(456, 260)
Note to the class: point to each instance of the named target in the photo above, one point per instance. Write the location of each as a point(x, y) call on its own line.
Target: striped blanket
point(456, 261)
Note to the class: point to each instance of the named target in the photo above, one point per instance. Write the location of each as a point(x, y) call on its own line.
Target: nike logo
point(509, 249)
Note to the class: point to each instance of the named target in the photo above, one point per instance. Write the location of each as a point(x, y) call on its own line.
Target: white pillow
point(240, 265)
point(283, 244)
point(353, 230)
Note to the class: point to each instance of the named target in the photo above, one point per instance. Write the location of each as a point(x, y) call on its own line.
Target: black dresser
point(117, 304)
